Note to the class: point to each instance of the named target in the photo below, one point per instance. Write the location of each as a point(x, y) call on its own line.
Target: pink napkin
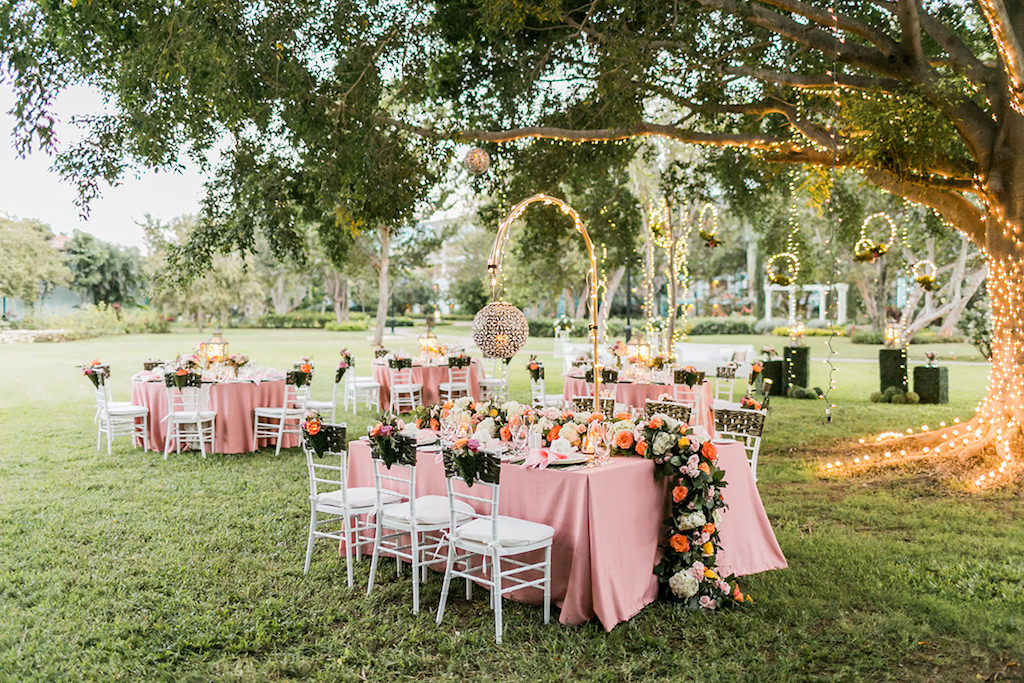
point(539, 458)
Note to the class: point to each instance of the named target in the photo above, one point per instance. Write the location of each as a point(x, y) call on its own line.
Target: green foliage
point(896, 395)
point(292, 319)
point(704, 326)
point(863, 336)
point(977, 324)
point(470, 295)
point(98, 320)
point(30, 266)
point(104, 272)
point(347, 326)
point(813, 332)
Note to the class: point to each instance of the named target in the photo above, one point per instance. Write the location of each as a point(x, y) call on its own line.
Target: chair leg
point(280, 435)
point(414, 538)
point(110, 437)
point(469, 581)
point(547, 584)
point(496, 569)
point(99, 433)
point(309, 541)
point(167, 439)
point(348, 550)
point(447, 582)
point(201, 433)
point(376, 556)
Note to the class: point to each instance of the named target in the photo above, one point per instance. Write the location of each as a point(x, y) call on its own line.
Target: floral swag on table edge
point(686, 572)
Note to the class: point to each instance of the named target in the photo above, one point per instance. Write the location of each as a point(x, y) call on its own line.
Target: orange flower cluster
point(679, 543)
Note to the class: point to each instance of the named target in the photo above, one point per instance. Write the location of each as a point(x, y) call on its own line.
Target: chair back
point(745, 426)
point(458, 370)
point(585, 404)
point(679, 411)
point(380, 353)
point(296, 389)
point(400, 474)
point(187, 398)
point(608, 375)
point(725, 378)
point(537, 394)
point(398, 376)
point(321, 479)
point(481, 475)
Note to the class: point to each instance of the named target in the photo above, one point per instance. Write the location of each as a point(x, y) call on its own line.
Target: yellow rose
point(494, 413)
point(683, 442)
point(709, 573)
point(708, 548)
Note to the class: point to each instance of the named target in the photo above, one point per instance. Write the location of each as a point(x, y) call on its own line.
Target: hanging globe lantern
point(500, 330)
point(477, 161)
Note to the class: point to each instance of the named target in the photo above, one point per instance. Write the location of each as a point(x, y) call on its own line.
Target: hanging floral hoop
point(867, 250)
point(708, 234)
point(782, 268)
point(924, 273)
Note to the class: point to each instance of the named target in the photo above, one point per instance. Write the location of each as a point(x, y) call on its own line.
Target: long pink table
point(636, 394)
point(607, 523)
point(430, 376)
point(235, 403)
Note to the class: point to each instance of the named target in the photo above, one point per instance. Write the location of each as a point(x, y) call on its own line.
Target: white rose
point(691, 520)
point(700, 434)
point(463, 403)
point(717, 516)
point(683, 585)
point(569, 433)
point(485, 430)
point(670, 422)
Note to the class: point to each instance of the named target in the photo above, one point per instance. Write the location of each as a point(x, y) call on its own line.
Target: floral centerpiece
point(389, 444)
point(686, 573)
point(769, 352)
point(563, 324)
point(344, 364)
point(96, 372)
point(660, 361)
point(237, 361)
point(932, 357)
point(535, 368)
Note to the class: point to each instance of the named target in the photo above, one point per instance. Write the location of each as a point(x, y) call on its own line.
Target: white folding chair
point(725, 380)
point(357, 389)
point(330, 495)
point(326, 408)
point(189, 419)
point(745, 426)
point(405, 393)
point(494, 386)
point(538, 397)
point(679, 411)
point(457, 385)
point(114, 419)
point(493, 537)
point(273, 422)
point(410, 516)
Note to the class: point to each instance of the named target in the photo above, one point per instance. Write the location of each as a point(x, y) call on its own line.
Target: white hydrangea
point(670, 422)
point(691, 520)
point(662, 442)
point(683, 585)
point(463, 403)
point(485, 430)
point(561, 446)
point(513, 409)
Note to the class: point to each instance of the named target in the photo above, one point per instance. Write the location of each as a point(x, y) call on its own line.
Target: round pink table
point(235, 403)
point(636, 394)
point(427, 375)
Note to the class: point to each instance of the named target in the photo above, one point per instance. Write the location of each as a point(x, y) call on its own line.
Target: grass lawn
point(131, 567)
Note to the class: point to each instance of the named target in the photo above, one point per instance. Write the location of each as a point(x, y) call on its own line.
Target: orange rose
point(623, 416)
point(708, 529)
point(624, 440)
point(313, 427)
point(375, 431)
point(596, 417)
point(505, 433)
point(679, 494)
point(703, 467)
point(419, 422)
point(641, 447)
point(306, 368)
point(181, 371)
point(656, 423)
point(553, 434)
point(709, 451)
point(435, 425)
point(679, 543)
point(460, 443)
point(737, 595)
point(708, 549)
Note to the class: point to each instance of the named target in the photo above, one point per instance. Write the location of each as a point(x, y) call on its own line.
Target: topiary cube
point(932, 384)
point(892, 368)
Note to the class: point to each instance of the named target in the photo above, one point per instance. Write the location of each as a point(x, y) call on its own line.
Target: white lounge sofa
point(707, 357)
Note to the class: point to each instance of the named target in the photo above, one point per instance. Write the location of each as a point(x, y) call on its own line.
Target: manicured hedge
point(701, 326)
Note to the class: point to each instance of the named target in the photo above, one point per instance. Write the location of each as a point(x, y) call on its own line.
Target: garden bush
point(347, 326)
point(768, 326)
point(867, 337)
point(812, 331)
point(895, 395)
point(145, 321)
point(933, 337)
point(295, 319)
point(720, 325)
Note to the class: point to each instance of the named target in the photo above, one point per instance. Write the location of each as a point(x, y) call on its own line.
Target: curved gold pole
point(494, 265)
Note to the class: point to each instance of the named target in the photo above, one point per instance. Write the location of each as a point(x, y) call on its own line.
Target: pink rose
point(697, 570)
point(707, 603)
point(722, 586)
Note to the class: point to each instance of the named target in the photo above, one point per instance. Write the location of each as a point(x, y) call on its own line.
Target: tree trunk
point(336, 285)
point(383, 288)
point(604, 312)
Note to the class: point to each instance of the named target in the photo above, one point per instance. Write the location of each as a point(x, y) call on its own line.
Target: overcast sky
point(28, 189)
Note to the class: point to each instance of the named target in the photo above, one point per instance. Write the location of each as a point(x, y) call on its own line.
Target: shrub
point(876, 396)
point(913, 397)
point(701, 326)
point(145, 321)
point(867, 337)
point(767, 326)
point(811, 332)
point(347, 326)
point(896, 396)
point(933, 337)
point(295, 319)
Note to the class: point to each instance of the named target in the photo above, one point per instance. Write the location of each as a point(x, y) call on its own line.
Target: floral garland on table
point(344, 364)
point(97, 372)
point(686, 573)
point(390, 445)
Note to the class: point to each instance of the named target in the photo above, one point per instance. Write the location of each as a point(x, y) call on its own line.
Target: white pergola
point(841, 290)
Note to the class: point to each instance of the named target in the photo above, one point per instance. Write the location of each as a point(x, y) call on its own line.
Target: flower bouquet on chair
point(343, 365)
point(459, 361)
point(688, 376)
point(183, 377)
point(399, 362)
point(535, 369)
point(465, 458)
point(322, 437)
point(96, 372)
point(389, 445)
point(302, 374)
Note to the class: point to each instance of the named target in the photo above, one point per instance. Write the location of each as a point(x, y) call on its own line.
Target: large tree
point(924, 98)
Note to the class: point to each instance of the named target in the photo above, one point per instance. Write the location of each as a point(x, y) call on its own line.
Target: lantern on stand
point(215, 350)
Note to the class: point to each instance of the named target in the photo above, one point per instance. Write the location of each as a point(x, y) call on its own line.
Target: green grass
point(134, 568)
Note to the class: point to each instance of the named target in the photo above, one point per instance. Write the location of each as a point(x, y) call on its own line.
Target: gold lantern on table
point(215, 350)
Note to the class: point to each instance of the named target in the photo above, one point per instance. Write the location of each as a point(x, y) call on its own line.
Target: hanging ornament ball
point(500, 329)
point(477, 161)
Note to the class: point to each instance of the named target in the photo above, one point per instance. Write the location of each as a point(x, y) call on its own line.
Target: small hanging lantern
point(216, 349)
point(500, 329)
point(477, 161)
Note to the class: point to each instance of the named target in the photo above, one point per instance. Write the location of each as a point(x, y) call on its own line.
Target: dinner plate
point(574, 458)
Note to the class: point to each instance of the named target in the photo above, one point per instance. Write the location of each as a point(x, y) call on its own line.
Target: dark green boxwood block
point(932, 384)
point(892, 369)
point(775, 371)
point(798, 365)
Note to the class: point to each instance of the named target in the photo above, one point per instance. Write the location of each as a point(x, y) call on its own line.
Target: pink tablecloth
point(234, 402)
point(635, 395)
point(607, 523)
point(427, 375)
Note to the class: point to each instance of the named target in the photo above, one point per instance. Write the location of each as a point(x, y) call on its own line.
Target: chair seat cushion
point(319, 405)
point(406, 388)
point(193, 416)
point(429, 510)
point(453, 386)
point(267, 411)
point(491, 382)
point(512, 532)
point(127, 410)
point(360, 497)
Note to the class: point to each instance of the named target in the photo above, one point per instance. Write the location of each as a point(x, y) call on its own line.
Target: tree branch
point(825, 18)
point(1007, 44)
point(910, 26)
point(815, 81)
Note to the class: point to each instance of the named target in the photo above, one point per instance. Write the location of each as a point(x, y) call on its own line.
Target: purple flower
point(386, 430)
point(707, 603)
point(473, 445)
